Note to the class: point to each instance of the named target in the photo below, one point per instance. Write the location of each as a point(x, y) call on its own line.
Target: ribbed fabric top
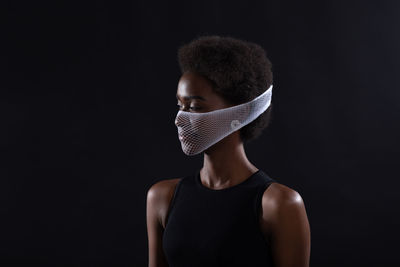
point(207, 227)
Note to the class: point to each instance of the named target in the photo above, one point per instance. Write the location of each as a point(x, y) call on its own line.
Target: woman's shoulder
point(160, 195)
point(284, 218)
point(278, 193)
point(164, 184)
point(281, 203)
point(163, 189)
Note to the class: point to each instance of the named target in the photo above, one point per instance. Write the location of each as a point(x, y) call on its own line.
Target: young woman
point(229, 212)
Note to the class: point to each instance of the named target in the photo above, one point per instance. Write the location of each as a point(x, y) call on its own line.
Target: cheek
point(194, 129)
point(199, 124)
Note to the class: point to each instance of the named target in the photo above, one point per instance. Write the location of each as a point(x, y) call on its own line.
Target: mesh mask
point(199, 131)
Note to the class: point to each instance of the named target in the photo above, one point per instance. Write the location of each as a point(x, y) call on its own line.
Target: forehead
point(194, 86)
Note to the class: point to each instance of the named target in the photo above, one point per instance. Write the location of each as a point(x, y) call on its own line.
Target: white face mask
point(199, 131)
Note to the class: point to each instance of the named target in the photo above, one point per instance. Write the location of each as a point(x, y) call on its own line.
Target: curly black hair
point(239, 71)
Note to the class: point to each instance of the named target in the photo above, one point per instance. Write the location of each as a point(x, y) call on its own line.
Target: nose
point(179, 121)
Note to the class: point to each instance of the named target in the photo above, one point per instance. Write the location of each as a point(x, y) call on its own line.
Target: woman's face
point(195, 94)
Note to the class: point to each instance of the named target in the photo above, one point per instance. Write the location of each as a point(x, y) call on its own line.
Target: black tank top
point(207, 227)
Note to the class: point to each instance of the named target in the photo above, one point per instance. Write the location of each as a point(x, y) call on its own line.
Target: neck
point(225, 164)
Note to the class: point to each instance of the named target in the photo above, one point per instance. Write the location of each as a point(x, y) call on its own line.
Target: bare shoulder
point(278, 194)
point(279, 201)
point(159, 197)
point(282, 208)
point(285, 225)
point(162, 188)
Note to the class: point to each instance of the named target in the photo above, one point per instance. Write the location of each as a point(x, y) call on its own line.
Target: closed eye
point(192, 108)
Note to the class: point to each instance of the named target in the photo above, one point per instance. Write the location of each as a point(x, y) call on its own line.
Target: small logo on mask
point(235, 124)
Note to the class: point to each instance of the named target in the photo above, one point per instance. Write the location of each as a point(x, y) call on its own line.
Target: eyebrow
point(192, 97)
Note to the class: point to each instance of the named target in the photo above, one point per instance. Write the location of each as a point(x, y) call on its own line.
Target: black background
point(88, 105)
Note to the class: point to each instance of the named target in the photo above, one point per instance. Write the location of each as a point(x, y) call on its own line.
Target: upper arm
point(157, 204)
point(285, 220)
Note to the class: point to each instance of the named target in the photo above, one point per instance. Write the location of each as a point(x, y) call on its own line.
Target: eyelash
point(193, 108)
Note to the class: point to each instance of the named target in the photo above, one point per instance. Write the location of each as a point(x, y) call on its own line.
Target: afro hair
point(239, 71)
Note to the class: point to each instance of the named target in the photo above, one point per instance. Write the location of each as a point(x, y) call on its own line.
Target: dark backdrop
point(87, 122)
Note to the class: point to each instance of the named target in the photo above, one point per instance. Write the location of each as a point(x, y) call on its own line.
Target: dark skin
point(283, 218)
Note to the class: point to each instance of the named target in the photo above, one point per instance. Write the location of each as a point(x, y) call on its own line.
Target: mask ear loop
point(236, 124)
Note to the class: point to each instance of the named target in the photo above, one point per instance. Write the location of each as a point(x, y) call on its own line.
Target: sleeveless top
point(208, 227)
